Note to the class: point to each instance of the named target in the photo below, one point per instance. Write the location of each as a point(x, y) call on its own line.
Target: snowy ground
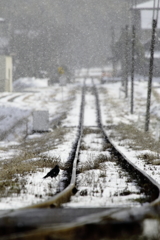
point(16, 125)
point(101, 182)
point(140, 147)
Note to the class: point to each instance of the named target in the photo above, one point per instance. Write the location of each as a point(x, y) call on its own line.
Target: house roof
point(147, 13)
point(149, 5)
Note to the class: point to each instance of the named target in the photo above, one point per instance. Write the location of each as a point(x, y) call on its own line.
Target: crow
point(53, 173)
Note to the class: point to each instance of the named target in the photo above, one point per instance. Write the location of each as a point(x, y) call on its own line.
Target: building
point(5, 73)
point(143, 16)
point(5, 60)
point(4, 40)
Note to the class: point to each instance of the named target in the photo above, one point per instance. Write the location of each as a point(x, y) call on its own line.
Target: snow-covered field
point(101, 182)
point(128, 133)
point(17, 139)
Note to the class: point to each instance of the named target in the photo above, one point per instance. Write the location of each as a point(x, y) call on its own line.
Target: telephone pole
point(151, 65)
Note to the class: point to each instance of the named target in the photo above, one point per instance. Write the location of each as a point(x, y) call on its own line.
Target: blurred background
point(42, 36)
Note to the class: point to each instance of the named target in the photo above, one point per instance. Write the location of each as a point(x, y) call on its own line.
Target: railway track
point(106, 178)
point(68, 185)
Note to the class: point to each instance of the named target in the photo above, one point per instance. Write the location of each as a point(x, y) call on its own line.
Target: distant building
point(4, 40)
point(5, 73)
point(5, 60)
point(143, 21)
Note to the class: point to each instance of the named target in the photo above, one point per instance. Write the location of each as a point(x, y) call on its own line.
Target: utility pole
point(154, 25)
point(132, 69)
point(113, 50)
point(126, 61)
point(133, 58)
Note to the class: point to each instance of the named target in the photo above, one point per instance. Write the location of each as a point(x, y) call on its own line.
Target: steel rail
point(136, 172)
point(65, 192)
point(103, 222)
point(65, 189)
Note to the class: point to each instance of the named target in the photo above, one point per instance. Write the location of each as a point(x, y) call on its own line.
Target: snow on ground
point(117, 111)
point(16, 125)
point(89, 113)
point(100, 183)
point(22, 83)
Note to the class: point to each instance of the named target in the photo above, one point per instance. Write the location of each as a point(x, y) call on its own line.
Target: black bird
point(53, 173)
